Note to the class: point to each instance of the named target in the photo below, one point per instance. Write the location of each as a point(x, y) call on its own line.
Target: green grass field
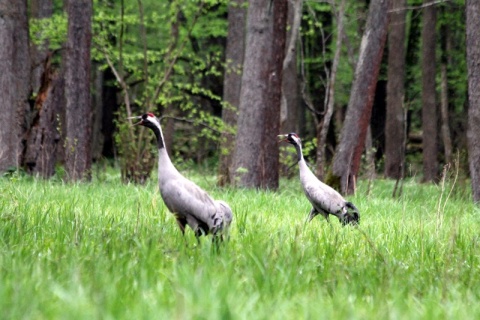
point(106, 250)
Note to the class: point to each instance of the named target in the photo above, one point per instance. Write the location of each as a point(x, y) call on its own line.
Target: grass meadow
point(107, 250)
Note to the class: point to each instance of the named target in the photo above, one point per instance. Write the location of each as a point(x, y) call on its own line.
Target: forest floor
point(107, 250)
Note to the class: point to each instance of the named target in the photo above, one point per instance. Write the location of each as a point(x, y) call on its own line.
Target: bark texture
point(446, 60)
point(78, 158)
point(472, 9)
point(249, 158)
point(346, 162)
point(43, 135)
point(273, 107)
point(429, 107)
point(395, 118)
point(14, 81)
point(290, 106)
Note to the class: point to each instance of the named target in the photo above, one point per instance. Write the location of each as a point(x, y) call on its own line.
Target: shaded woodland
point(378, 88)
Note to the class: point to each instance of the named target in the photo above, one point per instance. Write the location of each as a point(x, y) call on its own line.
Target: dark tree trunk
point(259, 119)
point(444, 114)
point(97, 114)
point(346, 162)
point(231, 86)
point(290, 106)
point(395, 118)
point(78, 158)
point(272, 109)
point(248, 159)
point(14, 81)
point(429, 107)
point(43, 135)
point(472, 11)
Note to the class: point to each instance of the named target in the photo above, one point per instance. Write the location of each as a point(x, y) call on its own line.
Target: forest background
point(372, 87)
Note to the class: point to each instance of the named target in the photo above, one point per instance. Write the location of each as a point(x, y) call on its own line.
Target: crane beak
point(282, 138)
point(136, 118)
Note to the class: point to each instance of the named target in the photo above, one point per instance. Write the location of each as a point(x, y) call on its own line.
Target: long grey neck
point(299, 152)
point(165, 165)
point(159, 135)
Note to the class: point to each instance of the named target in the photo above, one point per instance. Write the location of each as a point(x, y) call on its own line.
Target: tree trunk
point(248, 159)
point(289, 111)
point(78, 158)
point(14, 81)
point(231, 86)
point(272, 109)
point(395, 122)
point(445, 127)
point(290, 106)
point(472, 11)
point(346, 162)
point(97, 114)
point(429, 107)
point(445, 124)
point(370, 155)
point(43, 135)
point(259, 110)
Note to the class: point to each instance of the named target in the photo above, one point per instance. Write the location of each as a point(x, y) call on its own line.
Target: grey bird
point(324, 199)
point(190, 204)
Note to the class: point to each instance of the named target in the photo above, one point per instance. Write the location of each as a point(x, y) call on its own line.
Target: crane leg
point(182, 222)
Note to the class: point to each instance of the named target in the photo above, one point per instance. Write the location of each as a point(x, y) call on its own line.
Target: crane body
point(324, 199)
point(189, 203)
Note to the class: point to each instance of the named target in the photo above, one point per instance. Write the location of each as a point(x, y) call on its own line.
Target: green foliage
point(318, 34)
point(166, 68)
point(109, 250)
point(51, 32)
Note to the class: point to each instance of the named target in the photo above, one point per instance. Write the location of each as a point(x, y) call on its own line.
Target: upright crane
point(190, 204)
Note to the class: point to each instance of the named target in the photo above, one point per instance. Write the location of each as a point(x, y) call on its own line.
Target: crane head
point(147, 120)
point(291, 138)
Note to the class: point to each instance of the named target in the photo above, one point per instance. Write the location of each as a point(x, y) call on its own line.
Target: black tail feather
point(353, 216)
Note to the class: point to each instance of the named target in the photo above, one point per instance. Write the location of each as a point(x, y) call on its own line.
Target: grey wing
point(324, 198)
point(184, 198)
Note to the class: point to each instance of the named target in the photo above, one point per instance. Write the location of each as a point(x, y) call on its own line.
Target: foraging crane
point(324, 199)
point(189, 204)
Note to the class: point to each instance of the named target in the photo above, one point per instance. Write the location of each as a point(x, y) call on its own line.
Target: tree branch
point(123, 85)
point(170, 66)
point(331, 85)
point(297, 17)
point(144, 43)
point(425, 5)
